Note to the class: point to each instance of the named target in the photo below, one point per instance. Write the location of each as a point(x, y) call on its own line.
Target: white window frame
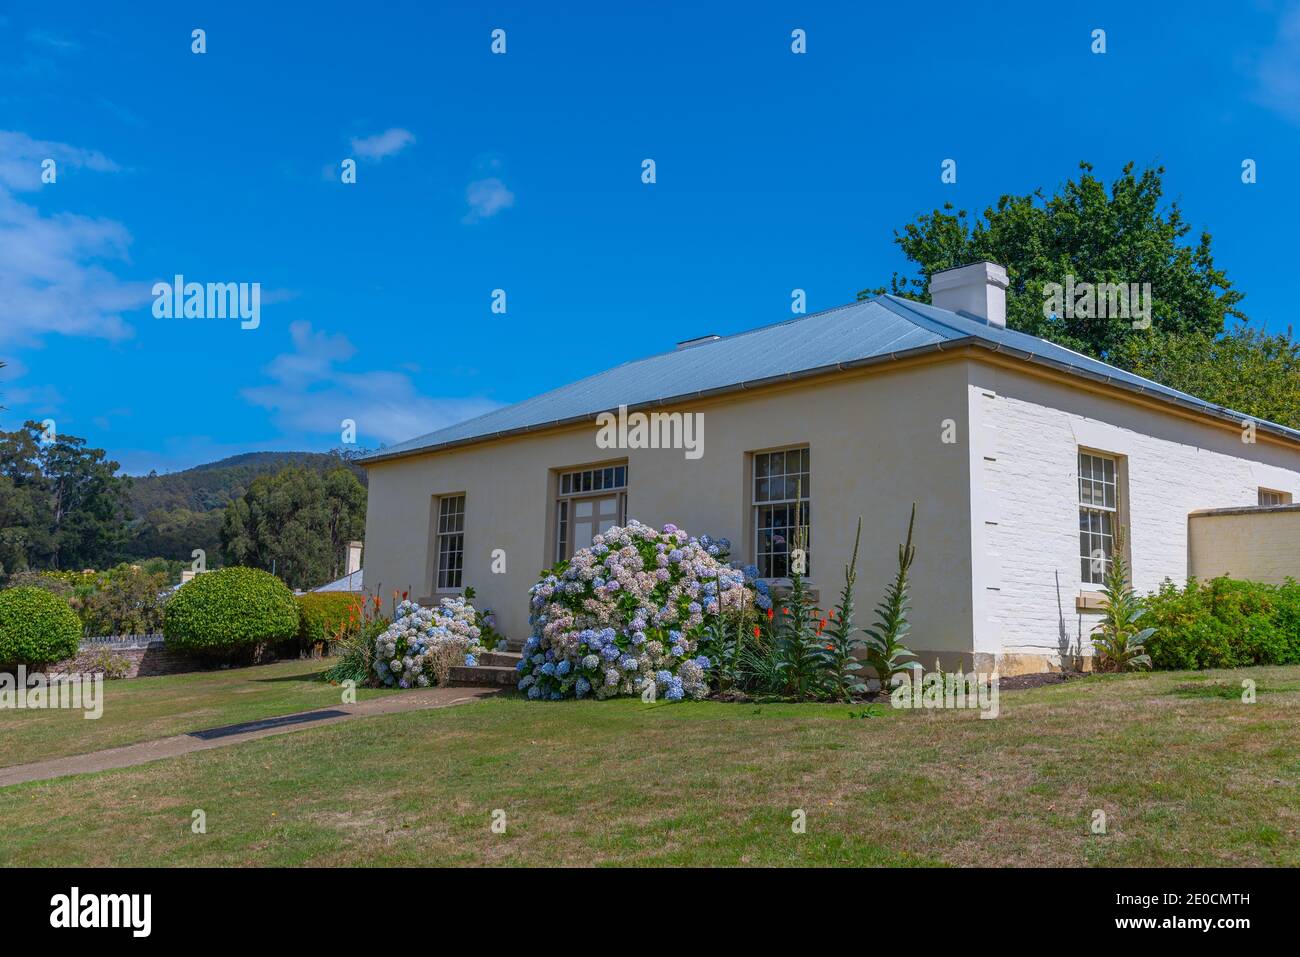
point(1271, 497)
point(772, 560)
point(1099, 508)
point(449, 531)
point(588, 482)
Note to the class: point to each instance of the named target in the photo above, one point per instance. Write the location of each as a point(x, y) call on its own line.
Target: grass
point(1183, 780)
point(142, 709)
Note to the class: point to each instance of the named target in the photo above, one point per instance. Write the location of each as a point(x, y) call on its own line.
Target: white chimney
point(978, 291)
point(354, 557)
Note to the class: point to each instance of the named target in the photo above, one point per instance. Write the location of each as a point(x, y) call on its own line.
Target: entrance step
point(501, 659)
point(483, 676)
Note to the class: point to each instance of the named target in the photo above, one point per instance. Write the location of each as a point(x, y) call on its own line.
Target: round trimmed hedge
point(229, 609)
point(36, 627)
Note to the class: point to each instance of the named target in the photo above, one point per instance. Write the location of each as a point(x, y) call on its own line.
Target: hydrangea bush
point(422, 644)
point(629, 611)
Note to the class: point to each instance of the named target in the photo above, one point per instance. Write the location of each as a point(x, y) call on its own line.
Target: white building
point(1023, 458)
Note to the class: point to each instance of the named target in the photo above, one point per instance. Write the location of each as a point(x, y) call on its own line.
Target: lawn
point(1186, 773)
point(141, 709)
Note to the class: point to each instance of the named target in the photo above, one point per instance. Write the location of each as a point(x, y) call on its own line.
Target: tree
point(1246, 369)
point(1098, 235)
point(1119, 235)
point(62, 505)
point(295, 523)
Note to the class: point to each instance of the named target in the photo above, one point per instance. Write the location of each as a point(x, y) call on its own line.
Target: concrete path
point(146, 751)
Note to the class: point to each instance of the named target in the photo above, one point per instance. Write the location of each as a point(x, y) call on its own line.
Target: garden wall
point(1259, 544)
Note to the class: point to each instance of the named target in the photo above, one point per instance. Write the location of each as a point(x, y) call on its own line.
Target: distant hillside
point(181, 511)
point(205, 487)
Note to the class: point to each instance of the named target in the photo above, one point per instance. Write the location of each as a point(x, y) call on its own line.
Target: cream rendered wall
point(1025, 500)
point(876, 447)
point(1262, 545)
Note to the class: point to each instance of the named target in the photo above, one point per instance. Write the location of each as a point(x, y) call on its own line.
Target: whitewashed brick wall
point(1025, 496)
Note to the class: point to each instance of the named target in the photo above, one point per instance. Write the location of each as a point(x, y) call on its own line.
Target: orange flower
point(785, 611)
point(404, 594)
point(757, 631)
point(769, 614)
point(830, 647)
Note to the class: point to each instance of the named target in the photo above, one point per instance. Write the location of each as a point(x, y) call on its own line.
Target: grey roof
point(351, 582)
point(861, 333)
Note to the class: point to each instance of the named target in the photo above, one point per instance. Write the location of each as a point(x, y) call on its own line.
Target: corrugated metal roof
point(860, 333)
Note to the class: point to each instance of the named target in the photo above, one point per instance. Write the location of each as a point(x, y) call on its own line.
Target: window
point(1268, 496)
point(451, 542)
point(781, 503)
point(590, 502)
point(1098, 509)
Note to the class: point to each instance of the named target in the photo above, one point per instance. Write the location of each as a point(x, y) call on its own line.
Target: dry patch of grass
point(1183, 780)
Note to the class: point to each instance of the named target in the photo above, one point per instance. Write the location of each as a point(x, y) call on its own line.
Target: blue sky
point(522, 172)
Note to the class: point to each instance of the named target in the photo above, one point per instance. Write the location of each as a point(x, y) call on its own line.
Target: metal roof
point(870, 331)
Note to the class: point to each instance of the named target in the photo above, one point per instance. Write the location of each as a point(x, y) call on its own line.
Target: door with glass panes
point(591, 502)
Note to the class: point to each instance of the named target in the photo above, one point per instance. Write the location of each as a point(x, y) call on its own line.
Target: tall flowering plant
point(420, 646)
point(628, 612)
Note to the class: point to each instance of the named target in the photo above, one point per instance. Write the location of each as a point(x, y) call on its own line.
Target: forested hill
point(207, 487)
point(180, 511)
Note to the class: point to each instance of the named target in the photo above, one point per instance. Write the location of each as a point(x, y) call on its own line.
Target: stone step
point(503, 659)
point(483, 676)
point(515, 645)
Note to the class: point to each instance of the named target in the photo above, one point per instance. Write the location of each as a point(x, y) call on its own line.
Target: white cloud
point(487, 197)
point(382, 145)
point(1278, 70)
point(45, 38)
point(52, 273)
point(310, 394)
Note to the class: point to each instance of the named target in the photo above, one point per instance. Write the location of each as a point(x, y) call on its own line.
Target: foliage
point(885, 649)
point(36, 627)
point(354, 648)
point(62, 505)
point(487, 625)
point(109, 664)
point(798, 637)
point(229, 609)
point(322, 614)
point(422, 644)
point(1246, 369)
point(627, 614)
point(296, 523)
point(843, 642)
point(125, 600)
point(1224, 623)
point(1117, 641)
point(1099, 235)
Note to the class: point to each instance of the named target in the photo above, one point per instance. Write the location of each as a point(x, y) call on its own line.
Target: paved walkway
point(146, 751)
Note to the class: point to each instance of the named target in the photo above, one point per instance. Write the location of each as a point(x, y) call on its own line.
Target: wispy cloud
point(382, 145)
point(52, 41)
point(1278, 69)
point(52, 273)
point(486, 198)
point(310, 393)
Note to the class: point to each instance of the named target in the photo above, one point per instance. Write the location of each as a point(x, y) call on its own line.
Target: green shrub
point(228, 610)
point(36, 627)
point(1224, 623)
point(321, 615)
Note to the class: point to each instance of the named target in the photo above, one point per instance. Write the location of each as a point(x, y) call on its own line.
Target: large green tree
point(1123, 233)
point(62, 505)
point(296, 523)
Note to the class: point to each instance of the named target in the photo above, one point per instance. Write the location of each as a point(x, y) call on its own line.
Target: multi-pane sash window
point(1268, 496)
point(591, 501)
point(1097, 516)
point(781, 503)
point(451, 541)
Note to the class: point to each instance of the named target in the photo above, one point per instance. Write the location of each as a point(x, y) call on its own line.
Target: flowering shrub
point(422, 644)
point(629, 611)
